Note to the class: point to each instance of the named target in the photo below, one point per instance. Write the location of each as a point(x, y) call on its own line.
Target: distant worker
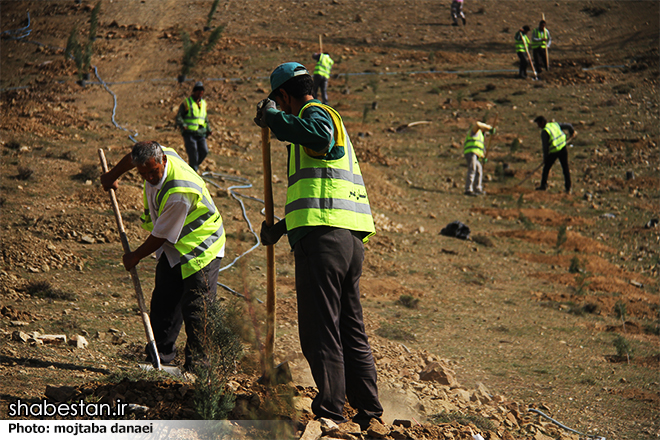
point(541, 41)
point(322, 75)
point(327, 219)
point(474, 150)
point(193, 121)
point(554, 143)
point(522, 47)
point(188, 239)
point(456, 11)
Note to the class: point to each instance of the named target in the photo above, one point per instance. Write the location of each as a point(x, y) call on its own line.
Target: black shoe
point(541, 188)
point(454, 24)
point(463, 22)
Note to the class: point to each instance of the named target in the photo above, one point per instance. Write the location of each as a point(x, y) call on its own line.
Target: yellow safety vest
point(203, 234)
point(557, 137)
point(521, 39)
point(196, 115)
point(327, 192)
point(538, 34)
point(323, 66)
point(474, 144)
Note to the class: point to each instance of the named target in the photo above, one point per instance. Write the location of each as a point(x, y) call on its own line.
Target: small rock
point(60, 394)
point(78, 341)
point(377, 429)
point(19, 336)
point(312, 431)
point(437, 372)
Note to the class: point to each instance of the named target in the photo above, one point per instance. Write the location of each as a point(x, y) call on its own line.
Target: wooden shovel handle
point(134, 276)
point(271, 297)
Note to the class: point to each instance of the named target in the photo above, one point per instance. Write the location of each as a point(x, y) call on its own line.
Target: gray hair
point(145, 150)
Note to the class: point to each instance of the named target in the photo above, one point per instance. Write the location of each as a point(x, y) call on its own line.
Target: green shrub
point(408, 301)
point(223, 349)
point(623, 348)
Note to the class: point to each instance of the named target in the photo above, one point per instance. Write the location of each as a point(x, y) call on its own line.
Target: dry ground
point(531, 306)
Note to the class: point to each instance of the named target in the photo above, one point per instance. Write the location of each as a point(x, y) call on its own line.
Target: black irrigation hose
point(246, 184)
point(114, 107)
point(596, 437)
point(12, 33)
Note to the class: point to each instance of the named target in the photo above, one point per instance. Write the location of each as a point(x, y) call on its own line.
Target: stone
point(78, 341)
point(312, 431)
point(60, 394)
point(403, 423)
point(377, 429)
point(19, 336)
point(435, 371)
point(302, 404)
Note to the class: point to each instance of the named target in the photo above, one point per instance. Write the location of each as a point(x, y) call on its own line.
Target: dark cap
point(283, 73)
point(198, 86)
point(526, 28)
point(540, 119)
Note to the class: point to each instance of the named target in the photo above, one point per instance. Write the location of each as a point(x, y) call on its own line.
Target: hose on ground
point(595, 437)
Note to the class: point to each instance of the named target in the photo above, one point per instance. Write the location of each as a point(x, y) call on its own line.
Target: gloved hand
point(262, 107)
point(272, 234)
point(493, 131)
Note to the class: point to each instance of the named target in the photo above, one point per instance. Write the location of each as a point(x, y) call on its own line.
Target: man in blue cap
point(327, 219)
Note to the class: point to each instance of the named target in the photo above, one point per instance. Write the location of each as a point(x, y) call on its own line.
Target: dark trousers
point(562, 155)
point(196, 148)
point(322, 83)
point(332, 334)
point(522, 69)
point(176, 301)
point(539, 59)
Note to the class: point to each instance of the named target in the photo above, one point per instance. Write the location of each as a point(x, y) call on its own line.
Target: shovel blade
point(174, 371)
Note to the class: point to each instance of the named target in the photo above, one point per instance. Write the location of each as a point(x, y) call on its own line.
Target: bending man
point(188, 237)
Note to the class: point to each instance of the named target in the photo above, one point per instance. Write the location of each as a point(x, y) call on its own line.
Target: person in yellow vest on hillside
point(327, 218)
point(554, 143)
point(188, 239)
point(474, 150)
point(522, 46)
point(192, 119)
point(541, 41)
point(322, 75)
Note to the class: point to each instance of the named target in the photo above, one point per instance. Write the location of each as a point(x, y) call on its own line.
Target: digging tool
point(151, 343)
point(531, 173)
point(490, 138)
point(531, 63)
point(269, 374)
point(320, 43)
point(547, 57)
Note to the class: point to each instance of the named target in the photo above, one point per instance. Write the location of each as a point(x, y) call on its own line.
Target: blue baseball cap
point(283, 73)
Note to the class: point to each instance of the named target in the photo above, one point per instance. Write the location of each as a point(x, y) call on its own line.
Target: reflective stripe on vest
point(557, 137)
point(327, 192)
point(203, 234)
point(474, 144)
point(521, 39)
point(537, 34)
point(196, 115)
point(323, 66)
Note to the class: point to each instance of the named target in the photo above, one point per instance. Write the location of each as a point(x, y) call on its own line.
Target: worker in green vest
point(327, 219)
point(540, 43)
point(188, 239)
point(522, 45)
point(192, 119)
point(322, 75)
point(474, 151)
point(554, 142)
